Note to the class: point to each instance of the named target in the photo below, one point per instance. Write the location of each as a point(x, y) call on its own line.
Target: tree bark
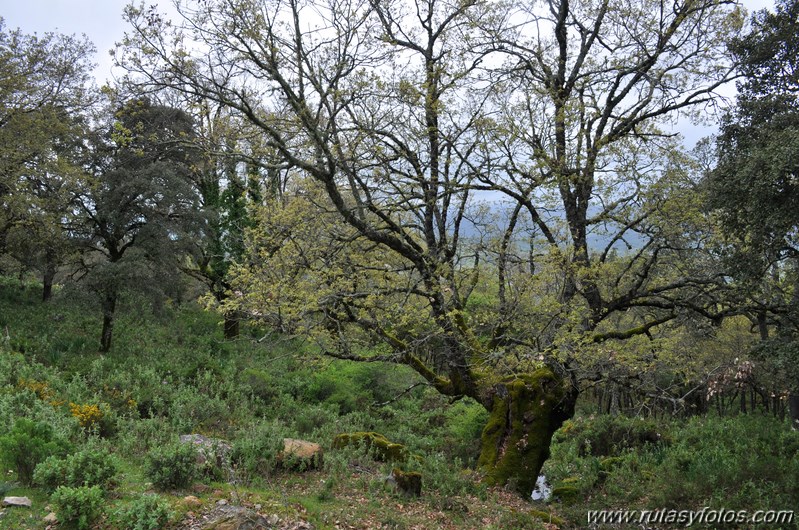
point(526, 410)
point(47, 281)
point(231, 325)
point(793, 406)
point(109, 308)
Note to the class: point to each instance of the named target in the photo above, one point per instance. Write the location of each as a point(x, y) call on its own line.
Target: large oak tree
point(396, 116)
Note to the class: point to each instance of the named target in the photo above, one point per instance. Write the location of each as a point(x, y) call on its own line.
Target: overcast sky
point(101, 21)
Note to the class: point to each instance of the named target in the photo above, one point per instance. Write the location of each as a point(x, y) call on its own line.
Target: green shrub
point(77, 507)
point(612, 435)
point(172, 467)
point(465, 421)
point(255, 451)
point(742, 462)
point(191, 411)
point(448, 476)
point(89, 467)
point(316, 419)
point(148, 512)
point(28, 444)
point(260, 383)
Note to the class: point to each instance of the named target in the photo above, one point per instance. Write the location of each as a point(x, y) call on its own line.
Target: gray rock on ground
point(17, 501)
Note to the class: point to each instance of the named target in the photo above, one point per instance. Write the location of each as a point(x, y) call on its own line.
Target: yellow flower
point(87, 415)
point(40, 388)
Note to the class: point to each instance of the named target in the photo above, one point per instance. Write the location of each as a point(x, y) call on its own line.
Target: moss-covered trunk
point(526, 410)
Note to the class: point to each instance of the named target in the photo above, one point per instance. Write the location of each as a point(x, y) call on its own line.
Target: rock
point(238, 518)
point(192, 501)
point(384, 449)
point(406, 482)
point(300, 454)
point(50, 518)
point(542, 491)
point(17, 501)
point(212, 452)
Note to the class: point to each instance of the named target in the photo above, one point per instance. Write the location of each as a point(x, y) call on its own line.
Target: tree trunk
point(47, 281)
point(793, 406)
point(231, 318)
point(109, 307)
point(231, 325)
point(526, 410)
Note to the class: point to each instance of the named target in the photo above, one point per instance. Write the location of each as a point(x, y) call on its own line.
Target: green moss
point(408, 482)
point(547, 517)
point(566, 493)
point(606, 465)
point(526, 410)
point(384, 449)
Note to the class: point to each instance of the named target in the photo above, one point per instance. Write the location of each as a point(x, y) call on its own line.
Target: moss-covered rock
point(407, 482)
point(547, 517)
point(383, 449)
point(526, 410)
point(566, 493)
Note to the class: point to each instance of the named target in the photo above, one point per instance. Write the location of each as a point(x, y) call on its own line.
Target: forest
point(403, 264)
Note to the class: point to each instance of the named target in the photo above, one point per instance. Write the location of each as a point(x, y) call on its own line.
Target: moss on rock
point(384, 449)
point(567, 493)
point(525, 411)
point(547, 517)
point(408, 482)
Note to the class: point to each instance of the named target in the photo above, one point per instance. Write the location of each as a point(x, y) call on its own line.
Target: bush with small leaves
point(88, 467)
point(256, 449)
point(28, 444)
point(148, 512)
point(172, 467)
point(77, 508)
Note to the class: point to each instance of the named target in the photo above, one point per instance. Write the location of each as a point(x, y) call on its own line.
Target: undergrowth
point(109, 422)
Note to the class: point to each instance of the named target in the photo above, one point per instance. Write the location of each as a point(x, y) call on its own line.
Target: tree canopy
point(44, 89)
point(755, 184)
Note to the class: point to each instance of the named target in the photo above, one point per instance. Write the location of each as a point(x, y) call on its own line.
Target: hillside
point(113, 421)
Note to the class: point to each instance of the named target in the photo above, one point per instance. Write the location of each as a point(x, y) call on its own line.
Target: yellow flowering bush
point(87, 415)
point(41, 389)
